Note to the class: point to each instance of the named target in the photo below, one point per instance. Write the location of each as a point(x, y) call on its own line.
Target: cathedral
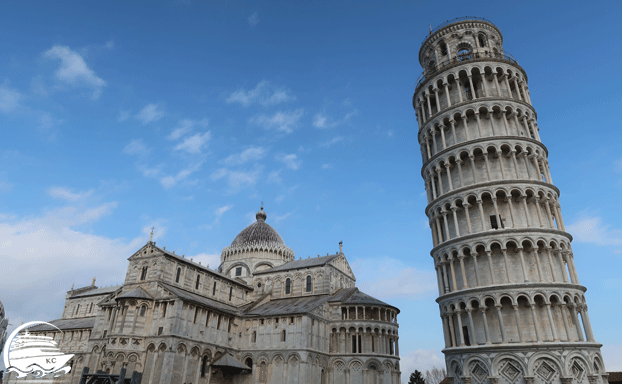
point(261, 317)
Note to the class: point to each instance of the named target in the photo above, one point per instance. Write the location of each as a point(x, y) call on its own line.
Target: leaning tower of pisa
point(512, 307)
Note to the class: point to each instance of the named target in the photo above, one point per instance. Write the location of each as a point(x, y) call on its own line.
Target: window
point(443, 48)
point(218, 323)
point(481, 39)
point(207, 319)
point(261, 321)
point(254, 337)
point(283, 335)
point(288, 286)
point(105, 333)
point(493, 222)
point(77, 309)
point(196, 285)
point(249, 363)
point(309, 284)
point(178, 275)
point(359, 343)
point(353, 343)
point(230, 293)
point(142, 311)
point(238, 271)
point(196, 315)
point(163, 310)
point(291, 320)
point(203, 366)
point(214, 289)
point(91, 308)
point(143, 275)
point(160, 330)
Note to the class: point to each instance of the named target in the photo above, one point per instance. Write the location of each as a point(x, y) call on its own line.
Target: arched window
point(263, 373)
point(77, 309)
point(309, 284)
point(142, 311)
point(91, 308)
point(481, 39)
point(143, 275)
point(214, 289)
point(443, 46)
point(254, 337)
point(196, 286)
point(203, 366)
point(464, 51)
point(283, 334)
point(230, 292)
point(249, 363)
point(288, 286)
point(178, 275)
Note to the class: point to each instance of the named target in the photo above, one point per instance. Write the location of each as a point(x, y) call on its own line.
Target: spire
point(151, 235)
point(261, 215)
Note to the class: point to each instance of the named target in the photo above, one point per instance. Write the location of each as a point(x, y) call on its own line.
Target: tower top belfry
point(510, 300)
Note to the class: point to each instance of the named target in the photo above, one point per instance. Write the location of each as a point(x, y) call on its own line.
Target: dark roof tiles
point(65, 324)
point(302, 263)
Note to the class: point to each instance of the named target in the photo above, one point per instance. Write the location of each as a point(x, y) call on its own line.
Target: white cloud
point(186, 126)
point(253, 19)
point(38, 87)
point(327, 166)
point(73, 69)
point(291, 161)
point(280, 121)
point(65, 194)
point(221, 211)
point(321, 121)
point(194, 144)
point(42, 256)
point(591, 229)
point(265, 93)
point(45, 124)
point(136, 147)
point(275, 177)
point(393, 279)
point(331, 142)
point(206, 259)
point(421, 360)
point(238, 179)
point(171, 181)
point(249, 154)
point(123, 115)
point(9, 98)
point(282, 217)
point(151, 113)
point(612, 354)
point(6, 186)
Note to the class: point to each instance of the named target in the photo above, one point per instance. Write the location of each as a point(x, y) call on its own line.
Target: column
point(535, 321)
point(505, 123)
point(520, 332)
point(553, 330)
point(562, 265)
point(459, 317)
point(452, 332)
point(444, 213)
point(573, 308)
point(551, 266)
point(486, 331)
point(445, 277)
point(440, 182)
point(508, 200)
point(427, 145)
point(474, 338)
point(472, 87)
point(465, 284)
point(452, 122)
point(500, 317)
point(438, 101)
point(494, 203)
point(466, 126)
point(453, 273)
point(494, 76)
point(448, 166)
point(468, 217)
point(472, 158)
point(537, 201)
point(561, 306)
point(481, 212)
point(505, 261)
point(474, 256)
point(516, 87)
point(507, 84)
point(586, 323)
point(434, 145)
point(459, 162)
point(527, 216)
point(442, 130)
point(522, 263)
point(433, 185)
point(453, 211)
point(513, 154)
point(548, 213)
point(427, 96)
point(572, 267)
point(446, 85)
point(485, 156)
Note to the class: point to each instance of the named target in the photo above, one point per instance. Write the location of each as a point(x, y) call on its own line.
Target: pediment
point(341, 263)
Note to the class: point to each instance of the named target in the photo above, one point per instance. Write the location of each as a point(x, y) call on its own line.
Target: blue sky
point(116, 117)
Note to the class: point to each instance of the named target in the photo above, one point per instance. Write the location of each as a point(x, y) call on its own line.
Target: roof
point(202, 267)
point(615, 377)
point(447, 380)
point(97, 291)
point(258, 232)
point(302, 263)
point(189, 296)
point(289, 306)
point(356, 297)
point(136, 293)
point(229, 362)
point(65, 324)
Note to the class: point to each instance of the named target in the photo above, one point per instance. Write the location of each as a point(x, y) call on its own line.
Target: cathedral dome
point(259, 232)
